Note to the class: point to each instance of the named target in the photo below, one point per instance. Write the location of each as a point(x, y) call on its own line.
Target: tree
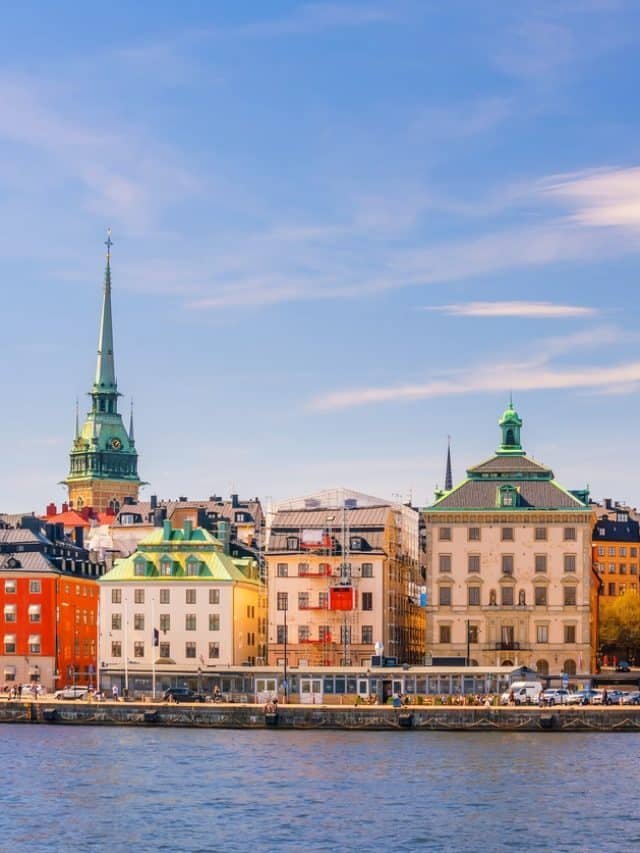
point(620, 621)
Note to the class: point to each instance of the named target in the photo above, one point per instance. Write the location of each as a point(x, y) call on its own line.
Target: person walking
point(114, 692)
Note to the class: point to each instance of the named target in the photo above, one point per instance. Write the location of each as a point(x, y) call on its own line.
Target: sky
point(343, 231)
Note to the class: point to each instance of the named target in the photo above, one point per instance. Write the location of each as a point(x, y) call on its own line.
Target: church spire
point(105, 380)
point(448, 477)
point(131, 433)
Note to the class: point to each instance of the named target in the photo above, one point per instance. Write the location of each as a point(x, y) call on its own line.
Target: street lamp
point(286, 632)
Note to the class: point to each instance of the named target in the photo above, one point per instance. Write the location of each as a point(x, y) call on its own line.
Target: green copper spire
point(105, 380)
point(510, 423)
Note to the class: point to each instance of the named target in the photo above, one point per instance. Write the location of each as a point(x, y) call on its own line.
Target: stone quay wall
point(359, 718)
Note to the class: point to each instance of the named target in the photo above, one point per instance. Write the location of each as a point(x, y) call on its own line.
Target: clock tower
point(103, 468)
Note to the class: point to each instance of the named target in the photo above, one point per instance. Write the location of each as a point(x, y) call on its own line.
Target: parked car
point(623, 666)
point(585, 697)
point(555, 696)
point(182, 694)
point(631, 698)
point(27, 691)
point(522, 693)
point(72, 691)
point(614, 697)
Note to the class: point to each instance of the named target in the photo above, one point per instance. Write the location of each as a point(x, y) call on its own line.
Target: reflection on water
point(87, 788)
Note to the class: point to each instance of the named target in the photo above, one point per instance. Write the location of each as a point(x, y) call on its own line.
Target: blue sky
point(342, 232)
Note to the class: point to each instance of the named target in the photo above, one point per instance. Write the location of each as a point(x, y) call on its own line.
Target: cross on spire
point(108, 243)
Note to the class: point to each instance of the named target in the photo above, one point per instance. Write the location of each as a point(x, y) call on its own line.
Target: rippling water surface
point(196, 790)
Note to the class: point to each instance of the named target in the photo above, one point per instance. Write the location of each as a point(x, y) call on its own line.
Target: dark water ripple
point(115, 789)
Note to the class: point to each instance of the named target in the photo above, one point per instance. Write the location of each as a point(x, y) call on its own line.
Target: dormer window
point(140, 567)
point(355, 543)
point(292, 543)
point(193, 567)
point(507, 496)
point(166, 567)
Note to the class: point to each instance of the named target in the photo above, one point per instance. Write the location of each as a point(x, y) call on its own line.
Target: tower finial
point(108, 243)
point(131, 433)
point(448, 477)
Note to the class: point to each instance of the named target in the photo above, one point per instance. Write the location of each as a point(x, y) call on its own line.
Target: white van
point(523, 692)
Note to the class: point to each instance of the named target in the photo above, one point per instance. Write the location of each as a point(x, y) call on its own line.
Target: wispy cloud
point(497, 377)
point(607, 197)
point(522, 309)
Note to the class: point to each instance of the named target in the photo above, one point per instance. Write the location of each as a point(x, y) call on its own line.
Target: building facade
point(509, 568)
point(177, 611)
point(49, 607)
point(616, 546)
point(343, 575)
point(103, 469)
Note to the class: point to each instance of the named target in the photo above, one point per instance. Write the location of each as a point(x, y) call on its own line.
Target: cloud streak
point(522, 309)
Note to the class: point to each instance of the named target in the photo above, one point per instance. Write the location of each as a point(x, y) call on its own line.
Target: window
point(138, 596)
point(282, 570)
point(444, 534)
point(10, 644)
point(283, 601)
point(323, 600)
point(444, 562)
point(34, 613)
point(601, 551)
point(611, 551)
point(540, 562)
point(214, 621)
point(116, 621)
point(282, 633)
point(473, 534)
point(214, 651)
point(138, 621)
point(140, 568)
point(35, 586)
point(214, 596)
point(303, 569)
point(507, 564)
point(633, 568)
point(303, 601)
point(165, 596)
point(165, 650)
point(633, 552)
point(193, 568)
point(138, 649)
point(612, 568)
point(611, 590)
point(345, 634)
point(190, 596)
point(474, 596)
point(367, 570)
point(540, 534)
point(623, 569)
point(116, 596)
point(445, 633)
point(444, 598)
point(570, 534)
point(367, 634)
point(303, 633)
point(355, 543)
point(569, 562)
point(116, 649)
point(507, 596)
point(10, 613)
point(367, 601)
point(292, 543)
point(165, 622)
point(10, 587)
point(507, 534)
point(190, 650)
point(166, 567)
point(540, 596)
point(190, 622)
point(324, 634)
point(473, 563)
point(542, 633)
point(569, 633)
point(569, 596)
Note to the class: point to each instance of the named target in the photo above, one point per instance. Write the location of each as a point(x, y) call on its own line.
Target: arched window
point(510, 437)
point(507, 663)
point(569, 667)
point(114, 504)
point(542, 667)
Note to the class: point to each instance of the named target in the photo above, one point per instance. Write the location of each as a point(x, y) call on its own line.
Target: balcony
point(506, 647)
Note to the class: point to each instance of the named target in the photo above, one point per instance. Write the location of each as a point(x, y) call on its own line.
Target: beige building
point(177, 611)
point(344, 581)
point(509, 570)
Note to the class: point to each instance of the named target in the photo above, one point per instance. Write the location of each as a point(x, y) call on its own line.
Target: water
point(197, 790)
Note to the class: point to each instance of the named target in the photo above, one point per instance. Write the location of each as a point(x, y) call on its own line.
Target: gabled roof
point(506, 464)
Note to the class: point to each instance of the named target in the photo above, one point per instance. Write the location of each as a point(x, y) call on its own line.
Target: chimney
point(51, 509)
point(65, 507)
point(223, 534)
point(153, 502)
point(607, 503)
point(234, 501)
point(159, 515)
point(166, 530)
point(78, 535)
point(182, 499)
point(187, 529)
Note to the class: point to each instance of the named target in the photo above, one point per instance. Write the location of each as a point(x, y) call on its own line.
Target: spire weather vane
point(108, 243)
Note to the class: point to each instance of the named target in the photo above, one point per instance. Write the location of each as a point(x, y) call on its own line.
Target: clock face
point(116, 443)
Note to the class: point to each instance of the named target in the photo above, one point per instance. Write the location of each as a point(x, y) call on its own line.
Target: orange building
point(616, 549)
point(49, 607)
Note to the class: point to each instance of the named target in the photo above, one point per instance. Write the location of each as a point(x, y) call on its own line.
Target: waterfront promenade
point(351, 718)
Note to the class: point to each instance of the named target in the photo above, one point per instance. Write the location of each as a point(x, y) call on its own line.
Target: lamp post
point(284, 683)
point(73, 668)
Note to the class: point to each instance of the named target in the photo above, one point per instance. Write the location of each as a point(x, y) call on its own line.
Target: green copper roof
point(168, 555)
point(510, 424)
point(105, 379)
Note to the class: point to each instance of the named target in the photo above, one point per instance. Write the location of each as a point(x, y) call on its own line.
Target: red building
point(48, 606)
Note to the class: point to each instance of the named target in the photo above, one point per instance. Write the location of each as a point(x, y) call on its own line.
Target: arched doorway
point(542, 667)
point(507, 663)
point(569, 667)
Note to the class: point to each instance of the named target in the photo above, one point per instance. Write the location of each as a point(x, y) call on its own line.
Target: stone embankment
point(288, 717)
